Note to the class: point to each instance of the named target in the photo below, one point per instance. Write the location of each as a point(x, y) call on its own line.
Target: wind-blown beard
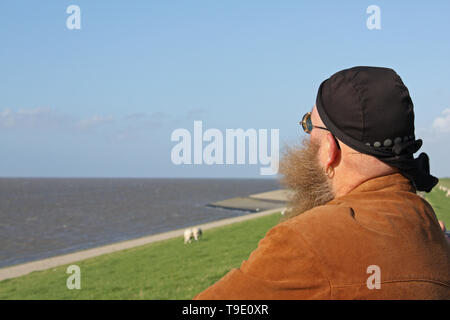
point(302, 174)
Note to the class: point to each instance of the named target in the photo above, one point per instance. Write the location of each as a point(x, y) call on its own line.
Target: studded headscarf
point(370, 110)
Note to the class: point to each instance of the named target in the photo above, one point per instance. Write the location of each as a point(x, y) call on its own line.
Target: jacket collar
point(391, 182)
point(395, 181)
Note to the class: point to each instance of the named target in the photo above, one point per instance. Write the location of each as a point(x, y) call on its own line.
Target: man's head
point(345, 167)
point(323, 168)
point(361, 127)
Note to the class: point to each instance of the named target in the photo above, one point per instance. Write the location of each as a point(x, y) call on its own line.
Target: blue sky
point(103, 101)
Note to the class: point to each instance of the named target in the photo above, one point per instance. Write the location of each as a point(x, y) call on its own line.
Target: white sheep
point(448, 193)
point(188, 235)
point(197, 232)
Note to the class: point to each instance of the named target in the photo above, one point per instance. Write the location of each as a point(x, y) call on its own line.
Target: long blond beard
point(302, 174)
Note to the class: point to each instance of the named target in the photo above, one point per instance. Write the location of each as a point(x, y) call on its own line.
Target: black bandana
point(370, 110)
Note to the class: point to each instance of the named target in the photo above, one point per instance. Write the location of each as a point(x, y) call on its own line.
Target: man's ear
point(333, 151)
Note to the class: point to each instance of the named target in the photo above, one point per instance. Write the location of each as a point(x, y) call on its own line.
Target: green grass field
point(162, 270)
point(440, 203)
point(167, 269)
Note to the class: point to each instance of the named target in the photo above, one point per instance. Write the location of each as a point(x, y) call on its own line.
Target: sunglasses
point(307, 126)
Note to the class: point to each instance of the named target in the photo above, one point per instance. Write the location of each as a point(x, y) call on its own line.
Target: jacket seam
point(320, 264)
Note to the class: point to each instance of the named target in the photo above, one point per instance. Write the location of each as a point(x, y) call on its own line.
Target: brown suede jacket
point(326, 252)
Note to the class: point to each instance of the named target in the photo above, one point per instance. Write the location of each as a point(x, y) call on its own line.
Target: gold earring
point(330, 172)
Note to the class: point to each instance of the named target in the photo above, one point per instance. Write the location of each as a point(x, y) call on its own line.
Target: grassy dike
point(439, 201)
point(167, 269)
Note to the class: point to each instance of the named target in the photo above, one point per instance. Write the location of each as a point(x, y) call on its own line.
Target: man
point(356, 228)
